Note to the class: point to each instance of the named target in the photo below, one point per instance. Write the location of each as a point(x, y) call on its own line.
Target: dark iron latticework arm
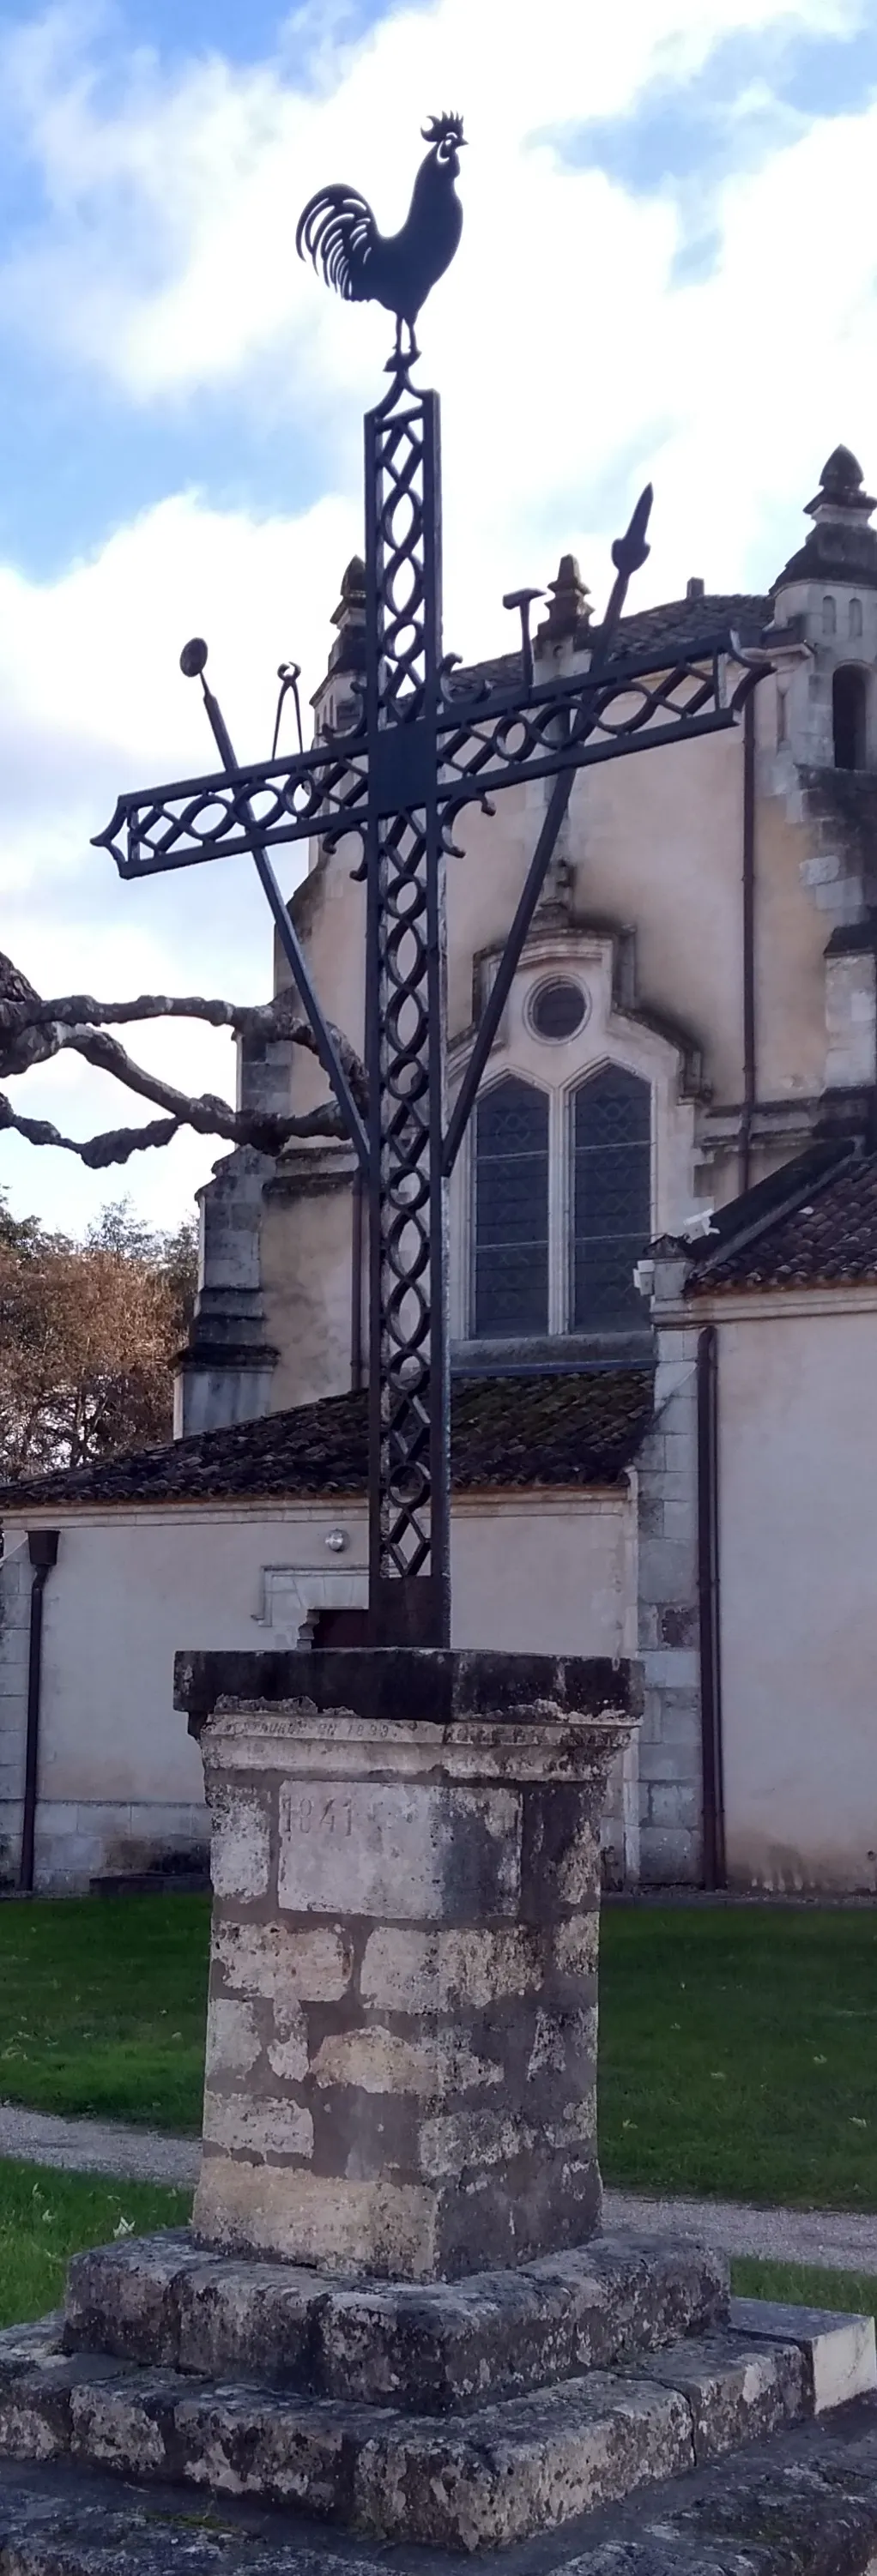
point(424, 746)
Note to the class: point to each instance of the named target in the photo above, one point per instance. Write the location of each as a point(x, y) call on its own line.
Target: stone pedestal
point(400, 2105)
point(402, 2019)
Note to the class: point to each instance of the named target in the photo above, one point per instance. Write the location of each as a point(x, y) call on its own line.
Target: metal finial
point(193, 658)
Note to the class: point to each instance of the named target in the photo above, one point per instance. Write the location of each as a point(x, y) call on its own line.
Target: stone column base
point(401, 2048)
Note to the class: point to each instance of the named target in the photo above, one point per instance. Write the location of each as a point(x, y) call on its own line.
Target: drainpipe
point(43, 1552)
point(749, 1065)
point(709, 1608)
point(356, 1283)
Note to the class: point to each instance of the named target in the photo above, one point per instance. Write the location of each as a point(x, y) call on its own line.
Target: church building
point(663, 1288)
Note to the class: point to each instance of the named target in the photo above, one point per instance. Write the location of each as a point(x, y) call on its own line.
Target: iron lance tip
point(630, 551)
point(193, 658)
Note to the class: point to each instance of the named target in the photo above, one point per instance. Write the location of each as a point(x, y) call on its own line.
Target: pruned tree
point(33, 1030)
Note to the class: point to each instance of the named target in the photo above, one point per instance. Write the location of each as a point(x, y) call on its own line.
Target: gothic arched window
point(849, 707)
point(611, 1197)
point(511, 1210)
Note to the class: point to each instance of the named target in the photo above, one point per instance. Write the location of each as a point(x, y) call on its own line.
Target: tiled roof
point(677, 623)
point(506, 1431)
point(823, 1235)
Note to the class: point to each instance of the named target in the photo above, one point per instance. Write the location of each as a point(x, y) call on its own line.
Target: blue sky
point(667, 266)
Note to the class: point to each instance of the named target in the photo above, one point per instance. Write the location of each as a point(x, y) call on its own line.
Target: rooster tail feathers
point(337, 231)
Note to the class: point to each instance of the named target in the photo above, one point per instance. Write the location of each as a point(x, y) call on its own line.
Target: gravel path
point(842, 2241)
point(98, 2146)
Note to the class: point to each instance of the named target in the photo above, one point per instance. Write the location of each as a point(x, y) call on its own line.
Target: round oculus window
point(557, 1009)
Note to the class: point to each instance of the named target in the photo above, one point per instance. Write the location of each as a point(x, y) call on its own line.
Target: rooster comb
point(443, 129)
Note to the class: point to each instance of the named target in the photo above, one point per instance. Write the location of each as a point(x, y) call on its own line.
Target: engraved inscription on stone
point(388, 1850)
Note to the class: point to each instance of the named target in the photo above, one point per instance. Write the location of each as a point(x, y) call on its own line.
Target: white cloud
point(569, 361)
point(91, 699)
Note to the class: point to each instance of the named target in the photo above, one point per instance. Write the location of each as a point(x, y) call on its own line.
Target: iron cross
point(426, 742)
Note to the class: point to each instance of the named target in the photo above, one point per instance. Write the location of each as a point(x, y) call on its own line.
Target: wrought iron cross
point(424, 744)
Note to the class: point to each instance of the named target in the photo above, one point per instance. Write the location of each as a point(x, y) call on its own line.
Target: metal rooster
point(339, 231)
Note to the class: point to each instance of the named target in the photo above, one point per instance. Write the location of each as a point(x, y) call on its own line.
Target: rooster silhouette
point(339, 231)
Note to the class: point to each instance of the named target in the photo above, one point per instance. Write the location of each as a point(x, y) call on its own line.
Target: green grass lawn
point(738, 2051)
point(102, 2003)
point(47, 2216)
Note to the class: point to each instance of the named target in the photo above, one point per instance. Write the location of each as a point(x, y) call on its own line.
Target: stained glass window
point(511, 1211)
point(611, 1197)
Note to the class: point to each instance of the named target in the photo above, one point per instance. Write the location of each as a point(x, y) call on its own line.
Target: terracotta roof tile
point(676, 623)
point(826, 1238)
point(506, 1431)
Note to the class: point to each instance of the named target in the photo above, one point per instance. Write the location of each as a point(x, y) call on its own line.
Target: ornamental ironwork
point(427, 739)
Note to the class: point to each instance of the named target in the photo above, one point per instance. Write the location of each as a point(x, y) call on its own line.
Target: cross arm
point(221, 815)
point(632, 702)
point(635, 702)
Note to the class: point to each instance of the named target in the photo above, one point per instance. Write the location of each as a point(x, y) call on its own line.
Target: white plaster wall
point(798, 1499)
point(120, 1780)
point(15, 1588)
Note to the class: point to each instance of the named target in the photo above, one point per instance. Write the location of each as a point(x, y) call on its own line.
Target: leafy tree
point(88, 1334)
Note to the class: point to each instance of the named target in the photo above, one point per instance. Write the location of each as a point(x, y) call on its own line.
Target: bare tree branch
point(33, 1030)
point(119, 1143)
point(23, 1011)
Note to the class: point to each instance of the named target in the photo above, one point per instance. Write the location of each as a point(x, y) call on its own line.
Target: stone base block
point(806, 2500)
point(423, 2229)
point(442, 2347)
point(490, 2477)
point(839, 2350)
point(563, 2461)
point(468, 2482)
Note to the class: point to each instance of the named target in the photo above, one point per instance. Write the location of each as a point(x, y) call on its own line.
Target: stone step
point(805, 2500)
point(429, 2349)
point(840, 2352)
point(490, 2478)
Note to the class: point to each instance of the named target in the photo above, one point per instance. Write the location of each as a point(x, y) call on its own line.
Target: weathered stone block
point(377, 2060)
point(414, 1972)
point(839, 2351)
point(426, 1854)
point(522, 2468)
point(125, 2421)
point(736, 2392)
point(433, 2348)
point(574, 1945)
point(254, 2125)
point(345, 2225)
point(288, 2054)
point(233, 2042)
point(121, 2299)
point(272, 1960)
point(240, 1847)
point(249, 2321)
point(286, 2449)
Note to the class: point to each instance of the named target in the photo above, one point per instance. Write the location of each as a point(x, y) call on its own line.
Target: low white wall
point(120, 1780)
point(798, 1550)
